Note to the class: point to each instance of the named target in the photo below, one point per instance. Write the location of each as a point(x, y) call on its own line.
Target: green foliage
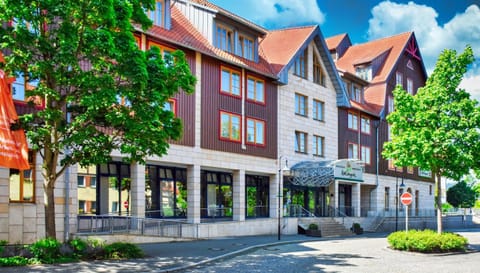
point(461, 195)
point(437, 129)
point(122, 250)
point(14, 261)
point(79, 246)
point(85, 59)
point(427, 241)
point(46, 250)
point(446, 207)
point(313, 226)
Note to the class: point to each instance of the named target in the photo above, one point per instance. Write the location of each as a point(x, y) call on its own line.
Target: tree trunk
point(438, 202)
point(50, 228)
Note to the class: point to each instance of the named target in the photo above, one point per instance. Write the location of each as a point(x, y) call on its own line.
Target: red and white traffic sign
point(125, 204)
point(406, 198)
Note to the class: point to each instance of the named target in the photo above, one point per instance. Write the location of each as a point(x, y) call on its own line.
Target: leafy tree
point(461, 195)
point(84, 57)
point(437, 129)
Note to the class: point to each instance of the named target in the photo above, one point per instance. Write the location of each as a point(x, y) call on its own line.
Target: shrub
point(313, 226)
point(46, 250)
point(14, 261)
point(121, 250)
point(427, 241)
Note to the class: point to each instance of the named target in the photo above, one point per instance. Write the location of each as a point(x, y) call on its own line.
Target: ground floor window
point(22, 182)
point(114, 190)
point(216, 194)
point(165, 192)
point(301, 201)
point(87, 189)
point(257, 191)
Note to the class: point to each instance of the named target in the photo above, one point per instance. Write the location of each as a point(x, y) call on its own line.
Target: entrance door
point(345, 200)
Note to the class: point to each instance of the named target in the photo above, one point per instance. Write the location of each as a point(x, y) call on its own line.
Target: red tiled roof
point(375, 92)
point(366, 52)
point(333, 42)
point(183, 33)
point(280, 46)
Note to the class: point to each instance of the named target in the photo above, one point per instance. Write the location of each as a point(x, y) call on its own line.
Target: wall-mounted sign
point(348, 169)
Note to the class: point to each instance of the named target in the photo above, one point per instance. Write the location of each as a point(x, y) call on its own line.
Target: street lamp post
point(280, 175)
point(402, 185)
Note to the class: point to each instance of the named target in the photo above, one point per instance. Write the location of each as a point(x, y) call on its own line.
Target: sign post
point(406, 199)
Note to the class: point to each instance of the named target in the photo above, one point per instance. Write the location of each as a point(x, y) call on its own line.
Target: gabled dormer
point(367, 69)
point(161, 15)
point(236, 37)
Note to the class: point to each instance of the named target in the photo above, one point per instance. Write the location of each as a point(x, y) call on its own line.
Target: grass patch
point(427, 241)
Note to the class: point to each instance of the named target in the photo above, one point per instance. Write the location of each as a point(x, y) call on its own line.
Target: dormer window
point(364, 72)
point(224, 38)
point(356, 93)
point(158, 14)
point(246, 47)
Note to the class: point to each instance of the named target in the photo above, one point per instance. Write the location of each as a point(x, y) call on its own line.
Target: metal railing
point(114, 224)
point(294, 210)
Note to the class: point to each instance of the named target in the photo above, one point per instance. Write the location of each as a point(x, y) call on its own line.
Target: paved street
point(295, 253)
point(348, 255)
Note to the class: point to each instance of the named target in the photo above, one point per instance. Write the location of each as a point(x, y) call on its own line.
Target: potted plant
point(356, 228)
point(313, 230)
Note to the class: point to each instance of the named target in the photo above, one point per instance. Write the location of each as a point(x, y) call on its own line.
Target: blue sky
point(438, 24)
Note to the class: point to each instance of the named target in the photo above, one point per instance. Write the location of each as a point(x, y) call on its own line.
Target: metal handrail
point(298, 211)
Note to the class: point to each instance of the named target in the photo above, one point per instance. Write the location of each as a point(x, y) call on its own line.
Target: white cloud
point(472, 85)
point(389, 18)
point(277, 13)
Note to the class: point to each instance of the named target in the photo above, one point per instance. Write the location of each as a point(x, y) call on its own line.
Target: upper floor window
point(366, 155)
point(352, 121)
point(399, 79)
point(224, 38)
point(300, 65)
point(21, 86)
point(22, 182)
point(318, 110)
point(318, 75)
point(164, 50)
point(318, 145)
point(364, 72)
point(301, 105)
point(230, 82)
point(255, 90)
point(81, 181)
point(171, 105)
point(365, 125)
point(356, 93)
point(409, 86)
point(230, 126)
point(246, 47)
point(391, 106)
point(255, 131)
point(410, 169)
point(424, 173)
point(158, 14)
point(353, 150)
point(300, 142)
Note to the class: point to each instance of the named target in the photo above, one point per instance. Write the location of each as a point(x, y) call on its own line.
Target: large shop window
point(87, 192)
point(165, 192)
point(115, 189)
point(22, 183)
point(217, 194)
point(256, 194)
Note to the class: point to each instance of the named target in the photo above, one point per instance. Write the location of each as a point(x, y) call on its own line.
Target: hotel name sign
point(348, 169)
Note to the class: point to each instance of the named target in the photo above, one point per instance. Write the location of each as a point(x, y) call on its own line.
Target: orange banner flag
point(13, 144)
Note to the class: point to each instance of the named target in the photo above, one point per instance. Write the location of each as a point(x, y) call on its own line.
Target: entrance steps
point(328, 226)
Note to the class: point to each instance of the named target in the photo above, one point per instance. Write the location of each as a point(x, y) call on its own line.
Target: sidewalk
point(172, 256)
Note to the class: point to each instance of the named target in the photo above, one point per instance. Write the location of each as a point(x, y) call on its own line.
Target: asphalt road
point(348, 255)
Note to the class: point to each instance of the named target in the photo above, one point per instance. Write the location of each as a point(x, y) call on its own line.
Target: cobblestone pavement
point(351, 255)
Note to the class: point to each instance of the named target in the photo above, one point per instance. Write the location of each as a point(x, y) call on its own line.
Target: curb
point(234, 253)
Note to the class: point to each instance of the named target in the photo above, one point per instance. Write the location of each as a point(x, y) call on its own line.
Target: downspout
point(243, 121)
point(66, 232)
